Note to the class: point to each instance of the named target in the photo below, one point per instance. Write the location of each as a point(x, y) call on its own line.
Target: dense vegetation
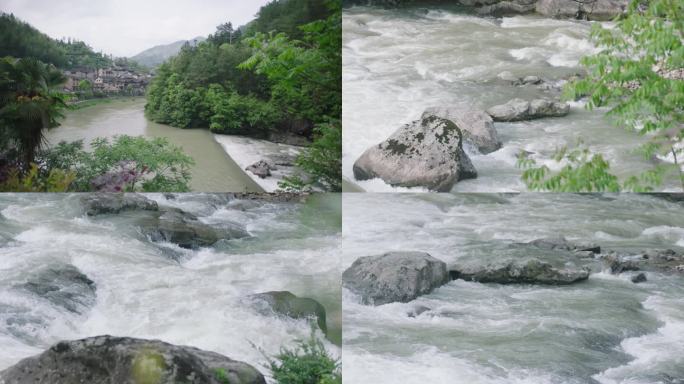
point(19, 39)
point(307, 363)
point(639, 74)
point(279, 74)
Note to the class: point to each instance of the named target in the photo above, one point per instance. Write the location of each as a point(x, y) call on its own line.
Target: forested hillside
point(19, 39)
point(279, 75)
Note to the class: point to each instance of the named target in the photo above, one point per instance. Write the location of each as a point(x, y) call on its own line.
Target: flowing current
point(605, 330)
point(160, 291)
point(397, 63)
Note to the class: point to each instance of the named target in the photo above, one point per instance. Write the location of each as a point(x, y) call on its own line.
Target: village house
point(111, 80)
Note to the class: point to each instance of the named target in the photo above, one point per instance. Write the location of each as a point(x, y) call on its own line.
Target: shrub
point(307, 363)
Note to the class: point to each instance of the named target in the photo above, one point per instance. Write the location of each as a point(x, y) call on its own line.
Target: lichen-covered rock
point(476, 126)
point(288, 304)
point(110, 203)
point(123, 360)
point(519, 109)
point(528, 271)
point(394, 276)
point(425, 153)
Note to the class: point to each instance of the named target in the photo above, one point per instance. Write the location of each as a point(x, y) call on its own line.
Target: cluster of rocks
point(429, 152)
point(578, 9)
point(162, 224)
point(405, 276)
point(114, 360)
point(261, 168)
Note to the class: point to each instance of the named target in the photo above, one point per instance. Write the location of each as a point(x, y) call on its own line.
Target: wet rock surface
point(394, 276)
point(261, 168)
point(530, 271)
point(519, 110)
point(425, 153)
point(285, 303)
point(117, 360)
point(111, 203)
point(62, 285)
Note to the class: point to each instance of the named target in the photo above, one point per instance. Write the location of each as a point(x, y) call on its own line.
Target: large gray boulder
point(122, 360)
point(185, 230)
point(528, 271)
point(519, 109)
point(394, 276)
point(62, 285)
point(110, 203)
point(425, 153)
point(476, 126)
point(288, 304)
point(507, 7)
point(581, 9)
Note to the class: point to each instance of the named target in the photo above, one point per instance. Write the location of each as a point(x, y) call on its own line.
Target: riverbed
point(214, 170)
point(160, 291)
point(605, 330)
point(397, 63)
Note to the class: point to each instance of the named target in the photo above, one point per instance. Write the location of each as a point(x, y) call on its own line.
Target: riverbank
point(273, 161)
point(102, 100)
point(214, 171)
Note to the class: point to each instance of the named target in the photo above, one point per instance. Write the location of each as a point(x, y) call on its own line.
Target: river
point(605, 330)
point(397, 63)
point(214, 170)
point(196, 299)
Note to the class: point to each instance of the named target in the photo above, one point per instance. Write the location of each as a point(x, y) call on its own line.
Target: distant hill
point(158, 54)
point(20, 39)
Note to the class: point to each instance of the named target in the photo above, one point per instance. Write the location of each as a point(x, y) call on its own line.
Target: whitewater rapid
point(397, 63)
point(195, 298)
point(606, 330)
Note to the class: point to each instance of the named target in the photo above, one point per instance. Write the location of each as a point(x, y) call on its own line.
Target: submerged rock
point(287, 304)
point(639, 278)
point(394, 276)
point(261, 168)
point(561, 243)
point(185, 230)
point(117, 360)
point(425, 153)
point(108, 203)
point(519, 109)
point(64, 286)
point(530, 271)
point(476, 126)
point(661, 260)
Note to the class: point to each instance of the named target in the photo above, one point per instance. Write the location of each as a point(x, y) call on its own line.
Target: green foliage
point(307, 363)
point(280, 73)
point(22, 40)
point(157, 165)
point(638, 74)
point(29, 105)
point(322, 161)
point(56, 180)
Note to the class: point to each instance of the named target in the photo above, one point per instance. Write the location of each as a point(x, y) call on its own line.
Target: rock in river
point(425, 153)
point(529, 271)
point(287, 304)
point(394, 276)
point(108, 203)
point(261, 168)
point(63, 285)
point(185, 230)
point(122, 360)
point(519, 109)
point(476, 125)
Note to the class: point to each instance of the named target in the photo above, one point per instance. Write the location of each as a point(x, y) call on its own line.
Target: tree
point(639, 74)
point(29, 105)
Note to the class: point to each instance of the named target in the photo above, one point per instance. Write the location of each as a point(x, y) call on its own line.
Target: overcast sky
point(126, 27)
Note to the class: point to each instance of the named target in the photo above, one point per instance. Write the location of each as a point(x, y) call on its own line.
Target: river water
point(214, 170)
point(397, 63)
point(606, 330)
point(197, 301)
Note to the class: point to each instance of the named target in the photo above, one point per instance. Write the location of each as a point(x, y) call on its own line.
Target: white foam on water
point(666, 233)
